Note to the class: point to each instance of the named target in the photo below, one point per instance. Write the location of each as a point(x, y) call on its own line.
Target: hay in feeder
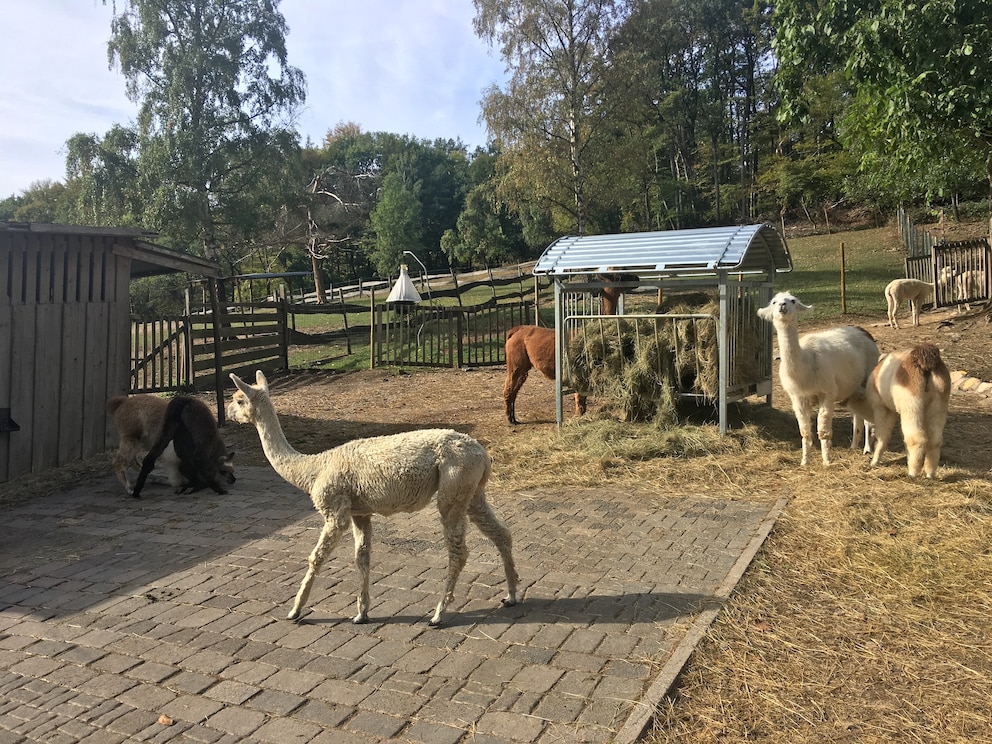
point(645, 364)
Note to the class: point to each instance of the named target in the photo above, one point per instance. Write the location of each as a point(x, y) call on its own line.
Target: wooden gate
point(161, 355)
point(186, 353)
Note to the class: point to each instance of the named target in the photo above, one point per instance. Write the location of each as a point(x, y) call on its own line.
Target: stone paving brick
point(276, 703)
point(433, 733)
point(237, 720)
point(371, 723)
point(229, 691)
point(190, 683)
point(342, 692)
point(611, 583)
point(514, 726)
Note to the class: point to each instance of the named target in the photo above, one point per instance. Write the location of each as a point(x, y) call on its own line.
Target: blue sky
point(408, 67)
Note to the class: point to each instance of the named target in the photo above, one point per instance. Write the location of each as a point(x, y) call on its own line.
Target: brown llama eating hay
point(528, 347)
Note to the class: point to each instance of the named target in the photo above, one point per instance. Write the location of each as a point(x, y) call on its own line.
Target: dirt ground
point(323, 409)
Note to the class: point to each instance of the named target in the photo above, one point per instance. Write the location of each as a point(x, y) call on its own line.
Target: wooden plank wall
point(63, 346)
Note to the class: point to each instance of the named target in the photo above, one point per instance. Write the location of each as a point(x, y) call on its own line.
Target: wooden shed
point(64, 335)
point(735, 265)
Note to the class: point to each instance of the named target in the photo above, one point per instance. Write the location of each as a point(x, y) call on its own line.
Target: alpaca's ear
point(803, 307)
point(260, 381)
point(765, 313)
point(241, 385)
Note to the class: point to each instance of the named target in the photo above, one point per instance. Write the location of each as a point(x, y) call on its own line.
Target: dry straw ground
point(864, 618)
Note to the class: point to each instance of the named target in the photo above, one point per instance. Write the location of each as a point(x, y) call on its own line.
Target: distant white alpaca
point(969, 285)
point(913, 290)
point(914, 385)
point(382, 475)
point(820, 369)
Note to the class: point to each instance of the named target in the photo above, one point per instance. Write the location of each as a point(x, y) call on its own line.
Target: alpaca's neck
point(293, 466)
point(792, 354)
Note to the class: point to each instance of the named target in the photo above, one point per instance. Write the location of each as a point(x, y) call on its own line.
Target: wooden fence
point(191, 353)
point(444, 337)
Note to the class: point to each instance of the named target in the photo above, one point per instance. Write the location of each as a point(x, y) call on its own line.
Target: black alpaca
point(203, 459)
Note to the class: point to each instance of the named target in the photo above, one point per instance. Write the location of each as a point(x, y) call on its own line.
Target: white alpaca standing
point(820, 369)
point(913, 290)
point(915, 386)
point(382, 475)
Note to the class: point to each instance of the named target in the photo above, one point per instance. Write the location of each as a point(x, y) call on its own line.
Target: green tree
point(396, 222)
point(552, 120)
point(919, 73)
point(217, 97)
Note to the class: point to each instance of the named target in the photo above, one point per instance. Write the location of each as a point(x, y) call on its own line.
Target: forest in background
point(618, 115)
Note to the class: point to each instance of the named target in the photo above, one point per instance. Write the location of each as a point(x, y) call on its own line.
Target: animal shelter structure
point(64, 335)
point(699, 336)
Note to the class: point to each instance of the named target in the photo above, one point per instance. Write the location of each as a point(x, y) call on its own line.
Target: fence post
point(282, 312)
point(216, 287)
point(843, 281)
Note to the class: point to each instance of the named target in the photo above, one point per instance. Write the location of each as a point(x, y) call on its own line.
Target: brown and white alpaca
point(528, 347)
point(204, 461)
point(138, 419)
point(912, 290)
point(913, 385)
point(819, 370)
point(382, 475)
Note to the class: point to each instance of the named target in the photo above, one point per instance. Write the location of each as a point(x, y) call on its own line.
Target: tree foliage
point(918, 72)
point(217, 97)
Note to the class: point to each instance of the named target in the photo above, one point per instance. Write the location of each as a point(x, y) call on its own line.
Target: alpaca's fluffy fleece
point(915, 386)
point(382, 475)
point(914, 291)
point(138, 420)
point(820, 369)
point(527, 347)
point(969, 285)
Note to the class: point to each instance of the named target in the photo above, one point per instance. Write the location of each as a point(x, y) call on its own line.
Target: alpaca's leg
point(935, 441)
point(515, 380)
point(361, 528)
point(893, 308)
point(824, 428)
point(885, 422)
point(915, 441)
point(453, 524)
point(803, 410)
point(482, 516)
point(915, 308)
point(127, 455)
point(334, 525)
point(580, 404)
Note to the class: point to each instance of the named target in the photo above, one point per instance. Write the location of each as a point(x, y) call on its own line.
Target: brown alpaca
point(913, 385)
point(138, 419)
point(528, 347)
point(203, 459)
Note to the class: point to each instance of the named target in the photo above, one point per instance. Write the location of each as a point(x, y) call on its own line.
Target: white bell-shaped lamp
point(403, 293)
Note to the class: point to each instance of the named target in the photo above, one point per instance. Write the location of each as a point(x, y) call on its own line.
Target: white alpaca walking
point(820, 369)
point(913, 290)
point(382, 475)
point(915, 386)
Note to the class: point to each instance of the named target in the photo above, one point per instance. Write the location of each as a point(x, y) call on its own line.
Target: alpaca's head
point(242, 407)
point(783, 308)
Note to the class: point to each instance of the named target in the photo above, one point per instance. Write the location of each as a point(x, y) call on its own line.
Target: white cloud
point(413, 68)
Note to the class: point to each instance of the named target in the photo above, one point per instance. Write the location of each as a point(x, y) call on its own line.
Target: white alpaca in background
point(382, 475)
point(899, 290)
point(820, 369)
point(915, 386)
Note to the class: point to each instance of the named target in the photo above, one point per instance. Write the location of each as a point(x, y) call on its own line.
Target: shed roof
point(740, 248)
point(147, 259)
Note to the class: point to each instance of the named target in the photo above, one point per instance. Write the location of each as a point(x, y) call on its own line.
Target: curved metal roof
point(740, 248)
